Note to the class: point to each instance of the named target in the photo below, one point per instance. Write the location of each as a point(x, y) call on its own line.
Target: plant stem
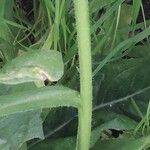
point(84, 46)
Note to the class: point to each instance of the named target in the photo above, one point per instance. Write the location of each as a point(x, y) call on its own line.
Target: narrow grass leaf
point(125, 44)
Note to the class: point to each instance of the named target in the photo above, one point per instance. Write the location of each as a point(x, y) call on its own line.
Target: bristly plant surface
point(52, 96)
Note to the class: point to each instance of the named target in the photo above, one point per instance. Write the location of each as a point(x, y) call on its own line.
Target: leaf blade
point(53, 96)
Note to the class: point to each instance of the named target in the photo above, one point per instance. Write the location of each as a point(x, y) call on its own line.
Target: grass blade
point(125, 44)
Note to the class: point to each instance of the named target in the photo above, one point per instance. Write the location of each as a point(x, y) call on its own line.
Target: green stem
point(84, 46)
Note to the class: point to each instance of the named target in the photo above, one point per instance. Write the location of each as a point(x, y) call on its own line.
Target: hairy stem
point(84, 46)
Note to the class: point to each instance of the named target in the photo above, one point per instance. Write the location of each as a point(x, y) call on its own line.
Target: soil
point(27, 6)
point(146, 6)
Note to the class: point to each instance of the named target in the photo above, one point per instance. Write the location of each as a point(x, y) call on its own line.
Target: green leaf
point(125, 16)
point(123, 80)
point(68, 143)
point(5, 32)
point(33, 66)
point(122, 46)
point(4, 145)
point(112, 120)
point(135, 11)
point(46, 97)
point(2, 10)
point(108, 121)
point(139, 51)
point(7, 50)
point(103, 122)
point(19, 128)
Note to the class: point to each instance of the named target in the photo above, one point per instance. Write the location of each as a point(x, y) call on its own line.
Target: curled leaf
point(33, 66)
